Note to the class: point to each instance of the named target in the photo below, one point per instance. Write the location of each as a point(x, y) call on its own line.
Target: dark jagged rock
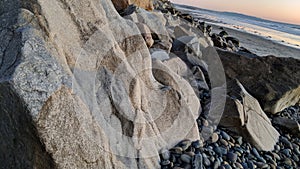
point(273, 81)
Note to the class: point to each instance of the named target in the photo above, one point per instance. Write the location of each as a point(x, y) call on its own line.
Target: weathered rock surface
point(146, 33)
point(244, 116)
point(274, 81)
point(157, 24)
point(123, 4)
point(77, 91)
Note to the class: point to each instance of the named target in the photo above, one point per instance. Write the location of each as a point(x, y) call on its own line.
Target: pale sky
point(277, 10)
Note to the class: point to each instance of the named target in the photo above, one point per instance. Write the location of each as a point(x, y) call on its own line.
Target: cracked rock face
point(244, 116)
point(274, 82)
point(77, 91)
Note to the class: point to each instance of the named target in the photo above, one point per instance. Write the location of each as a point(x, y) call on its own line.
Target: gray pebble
point(225, 135)
point(197, 144)
point(232, 157)
point(206, 162)
point(216, 164)
point(286, 152)
point(165, 154)
point(255, 152)
point(165, 163)
point(198, 161)
point(185, 158)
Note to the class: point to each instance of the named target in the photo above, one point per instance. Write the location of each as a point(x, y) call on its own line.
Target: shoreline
point(253, 41)
point(260, 45)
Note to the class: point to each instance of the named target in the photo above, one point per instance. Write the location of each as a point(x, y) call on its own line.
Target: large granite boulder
point(77, 89)
point(274, 81)
point(244, 116)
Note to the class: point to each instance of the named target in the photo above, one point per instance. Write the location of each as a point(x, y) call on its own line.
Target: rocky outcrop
point(121, 5)
point(77, 91)
point(273, 81)
point(244, 116)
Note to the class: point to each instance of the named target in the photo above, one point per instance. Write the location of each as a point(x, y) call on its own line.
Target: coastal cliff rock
point(244, 116)
point(123, 4)
point(77, 89)
point(273, 81)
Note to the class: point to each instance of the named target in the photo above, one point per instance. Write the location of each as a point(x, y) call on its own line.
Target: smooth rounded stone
point(210, 152)
point(262, 159)
point(190, 153)
point(238, 165)
point(212, 158)
point(224, 142)
point(230, 144)
point(251, 157)
point(172, 158)
point(277, 147)
point(220, 151)
point(216, 164)
point(272, 166)
point(185, 144)
point(214, 137)
point(207, 131)
point(187, 166)
point(197, 161)
point(205, 123)
point(227, 166)
point(178, 168)
point(245, 165)
point(295, 158)
point(176, 150)
point(232, 157)
point(240, 150)
point(276, 156)
point(286, 142)
point(297, 151)
point(295, 146)
point(225, 135)
point(197, 144)
point(186, 158)
point(288, 162)
point(255, 152)
point(165, 167)
point(251, 165)
point(286, 152)
point(165, 162)
point(165, 154)
point(206, 162)
point(261, 165)
point(240, 140)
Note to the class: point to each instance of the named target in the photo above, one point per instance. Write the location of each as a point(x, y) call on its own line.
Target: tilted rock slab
point(273, 81)
point(244, 116)
point(77, 90)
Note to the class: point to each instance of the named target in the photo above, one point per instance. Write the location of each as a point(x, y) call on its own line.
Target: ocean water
point(284, 33)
